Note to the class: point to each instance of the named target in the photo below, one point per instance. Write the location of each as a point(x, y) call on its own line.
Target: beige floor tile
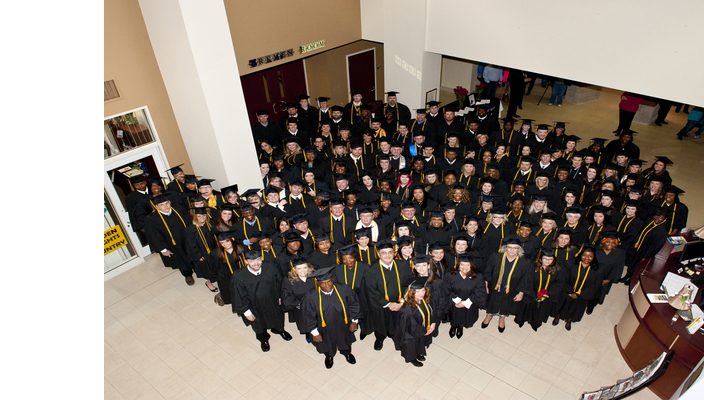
point(497, 389)
point(200, 345)
point(476, 378)
point(479, 338)
point(501, 349)
point(522, 360)
point(166, 348)
point(335, 387)
point(392, 392)
point(490, 363)
point(388, 369)
point(511, 374)
point(565, 344)
point(545, 371)
point(128, 382)
point(464, 390)
point(569, 384)
point(244, 381)
point(188, 393)
point(442, 379)
point(207, 384)
point(158, 373)
point(179, 359)
point(578, 369)
point(225, 392)
point(373, 385)
point(228, 368)
point(555, 357)
point(408, 381)
point(428, 391)
point(437, 356)
point(112, 361)
point(455, 366)
point(518, 395)
point(115, 395)
point(534, 386)
point(468, 352)
point(299, 390)
point(355, 394)
point(533, 347)
point(193, 371)
point(144, 361)
point(556, 394)
point(152, 394)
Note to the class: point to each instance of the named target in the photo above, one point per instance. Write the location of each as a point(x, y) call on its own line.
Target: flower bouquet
point(480, 89)
point(461, 93)
point(542, 295)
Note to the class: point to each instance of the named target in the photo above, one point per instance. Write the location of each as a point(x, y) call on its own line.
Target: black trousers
point(664, 109)
point(625, 119)
point(265, 336)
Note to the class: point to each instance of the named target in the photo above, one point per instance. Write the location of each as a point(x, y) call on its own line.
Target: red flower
point(460, 91)
point(542, 293)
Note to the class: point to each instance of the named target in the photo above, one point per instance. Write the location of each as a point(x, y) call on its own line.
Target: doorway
point(272, 88)
point(361, 74)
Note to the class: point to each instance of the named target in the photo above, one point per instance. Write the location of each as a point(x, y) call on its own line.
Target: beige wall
point(130, 61)
point(327, 72)
point(267, 27)
point(640, 46)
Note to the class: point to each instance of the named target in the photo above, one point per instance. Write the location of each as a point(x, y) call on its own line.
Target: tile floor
point(166, 340)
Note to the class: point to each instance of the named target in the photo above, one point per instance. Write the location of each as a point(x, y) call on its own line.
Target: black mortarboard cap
point(252, 255)
point(347, 250)
point(200, 210)
point(500, 209)
point(673, 189)
point(384, 244)
point(509, 119)
point(550, 216)
point(572, 138)
point(323, 274)
point(337, 108)
point(598, 140)
point(416, 282)
point(272, 189)
point(421, 111)
point(323, 98)
point(191, 179)
point(298, 218)
point(160, 199)
point(228, 189)
point(175, 170)
point(356, 91)
point(421, 259)
point(511, 239)
point(433, 103)
point(262, 111)
point(205, 182)
point(363, 232)
point(544, 126)
point(302, 97)
point(250, 192)
point(664, 160)
point(292, 236)
point(196, 198)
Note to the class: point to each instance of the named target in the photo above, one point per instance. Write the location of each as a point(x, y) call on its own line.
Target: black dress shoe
point(378, 345)
point(555, 321)
point(520, 107)
point(516, 116)
point(350, 358)
point(453, 330)
point(420, 357)
point(664, 122)
point(484, 325)
point(590, 311)
point(460, 332)
point(568, 326)
point(285, 336)
point(626, 279)
point(265, 346)
point(679, 137)
point(362, 336)
point(501, 330)
point(658, 123)
point(328, 362)
point(417, 363)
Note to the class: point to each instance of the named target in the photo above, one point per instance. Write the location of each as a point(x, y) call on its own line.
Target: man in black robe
point(487, 123)
point(649, 242)
point(400, 112)
point(251, 227)
point(353, 109)
point(307, 112)
point(266, 131)
point(166, 234)
point(330, 315)
point(139, 197)
point(422, 124)
point(383, 292)
point(256, 293)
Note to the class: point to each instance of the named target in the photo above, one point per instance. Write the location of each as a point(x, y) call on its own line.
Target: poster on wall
point(639, 380)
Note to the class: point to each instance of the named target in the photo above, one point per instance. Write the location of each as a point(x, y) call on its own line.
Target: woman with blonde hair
point(293, 153)
point(200, 241)
point(295, 288)
point(415, 322)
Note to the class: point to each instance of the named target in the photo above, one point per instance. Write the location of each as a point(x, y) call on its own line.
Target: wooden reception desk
point(646, 329)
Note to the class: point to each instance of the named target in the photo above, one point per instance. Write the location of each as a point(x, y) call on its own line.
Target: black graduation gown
point(629, 228)
point(409, 336)
point(292, 294)
point(244, 231)
point(432, 235)
point(439, 301)
point(649, 242)
point(319, 260)
point(224, 272)
point(500, 301)
point(612, 269)
point(172, 238)
point(381, 319)
point(465, 288)
point(531, 247)
point(492, 237)
point(260, 294)
point(133, 200)
point(537, 313)
point(336, 333)
point(200, 243)
point(578, 232)
point(368, 255)
point(574, 308)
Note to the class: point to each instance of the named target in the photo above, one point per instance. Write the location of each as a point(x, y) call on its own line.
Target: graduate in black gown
point(438, 294)
point(256, 290)
point(225, 260)
point(200, 241)
point(383, 293)
point(331, 314)
point(415, 322)
point(166, 233)
point(466, 288)
point(294, 287)
point(549, 279)
point(583, 283)
point(650, 240)
point(611, 259)
point(323, 256)
point(509, 278)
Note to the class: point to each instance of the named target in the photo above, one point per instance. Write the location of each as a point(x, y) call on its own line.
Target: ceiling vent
point(110, 90)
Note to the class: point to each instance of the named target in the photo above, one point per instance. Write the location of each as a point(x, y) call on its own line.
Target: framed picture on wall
point(472, 100)
point(431, 96)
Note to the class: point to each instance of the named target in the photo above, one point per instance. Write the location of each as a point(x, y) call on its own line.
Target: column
point(193, 47)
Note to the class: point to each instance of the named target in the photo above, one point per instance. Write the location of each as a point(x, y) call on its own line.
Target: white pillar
point(193, 47)
point(408, 68)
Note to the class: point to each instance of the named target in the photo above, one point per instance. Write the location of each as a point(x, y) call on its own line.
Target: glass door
point(118, 249)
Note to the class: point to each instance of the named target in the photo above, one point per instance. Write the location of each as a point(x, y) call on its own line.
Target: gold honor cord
point(625, 227)
point(244, 228)
point(427, 312)
point(167, 226)
point(354, 108)
point(398, 280)
point(228, 262)
point(540, 285)
point(501, 274)
point(645, 233)
point(354, 275)
point(591, 232)
point(579, 272)
point(202, 238)
point(344, 234)
point(672, 220)
point(320, 304)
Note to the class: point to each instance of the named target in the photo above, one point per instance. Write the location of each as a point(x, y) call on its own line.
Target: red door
point(272, 88)
point(362, 72)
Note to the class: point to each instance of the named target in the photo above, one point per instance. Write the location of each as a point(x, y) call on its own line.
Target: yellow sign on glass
point(114, 239)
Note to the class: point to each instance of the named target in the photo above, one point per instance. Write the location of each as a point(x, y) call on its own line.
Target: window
point(126, 132)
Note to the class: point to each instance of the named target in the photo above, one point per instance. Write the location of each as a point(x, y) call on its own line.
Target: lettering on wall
point(409, 68)
point(312, 46)
point(255, 62)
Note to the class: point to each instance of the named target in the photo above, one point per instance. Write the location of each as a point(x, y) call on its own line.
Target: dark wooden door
point(362, 72)
point(272, 88)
